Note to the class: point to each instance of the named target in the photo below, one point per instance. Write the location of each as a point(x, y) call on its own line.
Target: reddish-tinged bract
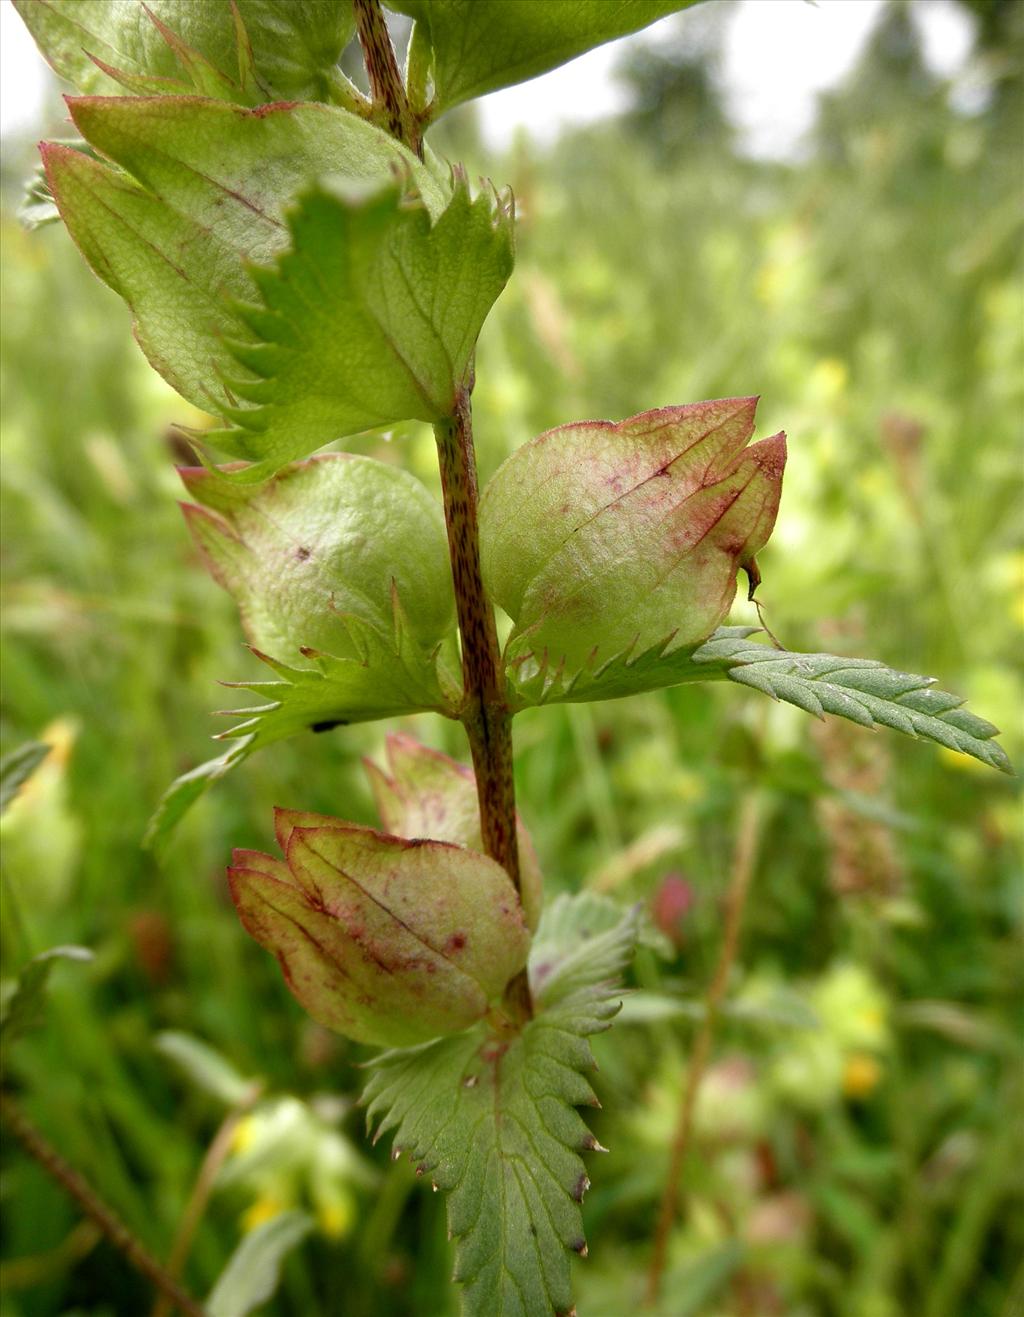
point(426, 794)
point(386, 940)
point(601, 539)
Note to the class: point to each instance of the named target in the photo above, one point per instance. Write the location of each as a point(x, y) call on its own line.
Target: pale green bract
point(370, 317)
point(492, 1122)
point(204, 192)
point(326, 539)
point(388, 940)
point(281, 49)
point(475, 47)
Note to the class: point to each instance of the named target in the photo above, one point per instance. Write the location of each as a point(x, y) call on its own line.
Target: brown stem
point(485, 711)
point(201, 1190)
point(736, 899)
point(389, 96)
point(94, 1207)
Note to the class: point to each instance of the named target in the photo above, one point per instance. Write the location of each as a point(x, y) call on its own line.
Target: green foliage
point(23, 1000)
point(477, 48)
point(863, 690)
point(492, 1121)
point(17, 766)
point(209, 187)
point(371, 317)
point(245, 50)
point(855, 1146)
point(205, 1067)
point(251, 1276)
point(389, 674)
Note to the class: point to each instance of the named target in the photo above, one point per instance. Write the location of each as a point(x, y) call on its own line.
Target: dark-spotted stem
point(485, 713)
point(386, 86)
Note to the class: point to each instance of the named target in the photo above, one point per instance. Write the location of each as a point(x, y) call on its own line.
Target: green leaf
point(533, 681)
point(326, 538)
point(205, 191)
point(600, 538)
point(492, 1121)
point(280, 49)
point(183, 793)
point(23, 1000)
point(862, 690)
point(371, 317)
point(390, 675)
point(17, 767)
point(206, 1068)
point(254, 1269)
point(583, 938)
point(478, 47)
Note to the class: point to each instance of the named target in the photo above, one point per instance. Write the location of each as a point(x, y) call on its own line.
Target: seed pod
point(600, 539)
point(326, 538)
point(386, 940)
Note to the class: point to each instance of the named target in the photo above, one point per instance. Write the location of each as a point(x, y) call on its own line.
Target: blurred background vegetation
point(859, 1138)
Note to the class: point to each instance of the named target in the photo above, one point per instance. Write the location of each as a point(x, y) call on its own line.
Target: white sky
point(778, 55)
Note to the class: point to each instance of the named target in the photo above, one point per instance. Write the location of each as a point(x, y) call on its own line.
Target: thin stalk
point(485, 713)
point(95, 1209)
point(216, 1153)
point(744, 855)
point(386, 85)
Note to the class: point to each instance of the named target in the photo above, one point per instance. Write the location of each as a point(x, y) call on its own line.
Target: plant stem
point(739, 885)
point(201, 1190)
point(389, 96)
point(94, 1207)
point(485, 713)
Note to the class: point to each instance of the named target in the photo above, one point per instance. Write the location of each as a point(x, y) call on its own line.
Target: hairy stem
point(389, 96)
point(744, 856)
point(93, 1206)
point(485, 712)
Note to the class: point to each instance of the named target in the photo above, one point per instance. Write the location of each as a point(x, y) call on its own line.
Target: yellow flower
point(336, 1214)
point(264, 1208)
point(243, 1135)
point(861, 1074)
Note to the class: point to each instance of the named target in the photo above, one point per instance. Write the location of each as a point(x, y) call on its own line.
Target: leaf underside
point(492, 1122)
point(865, 691)
point(478, 47)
